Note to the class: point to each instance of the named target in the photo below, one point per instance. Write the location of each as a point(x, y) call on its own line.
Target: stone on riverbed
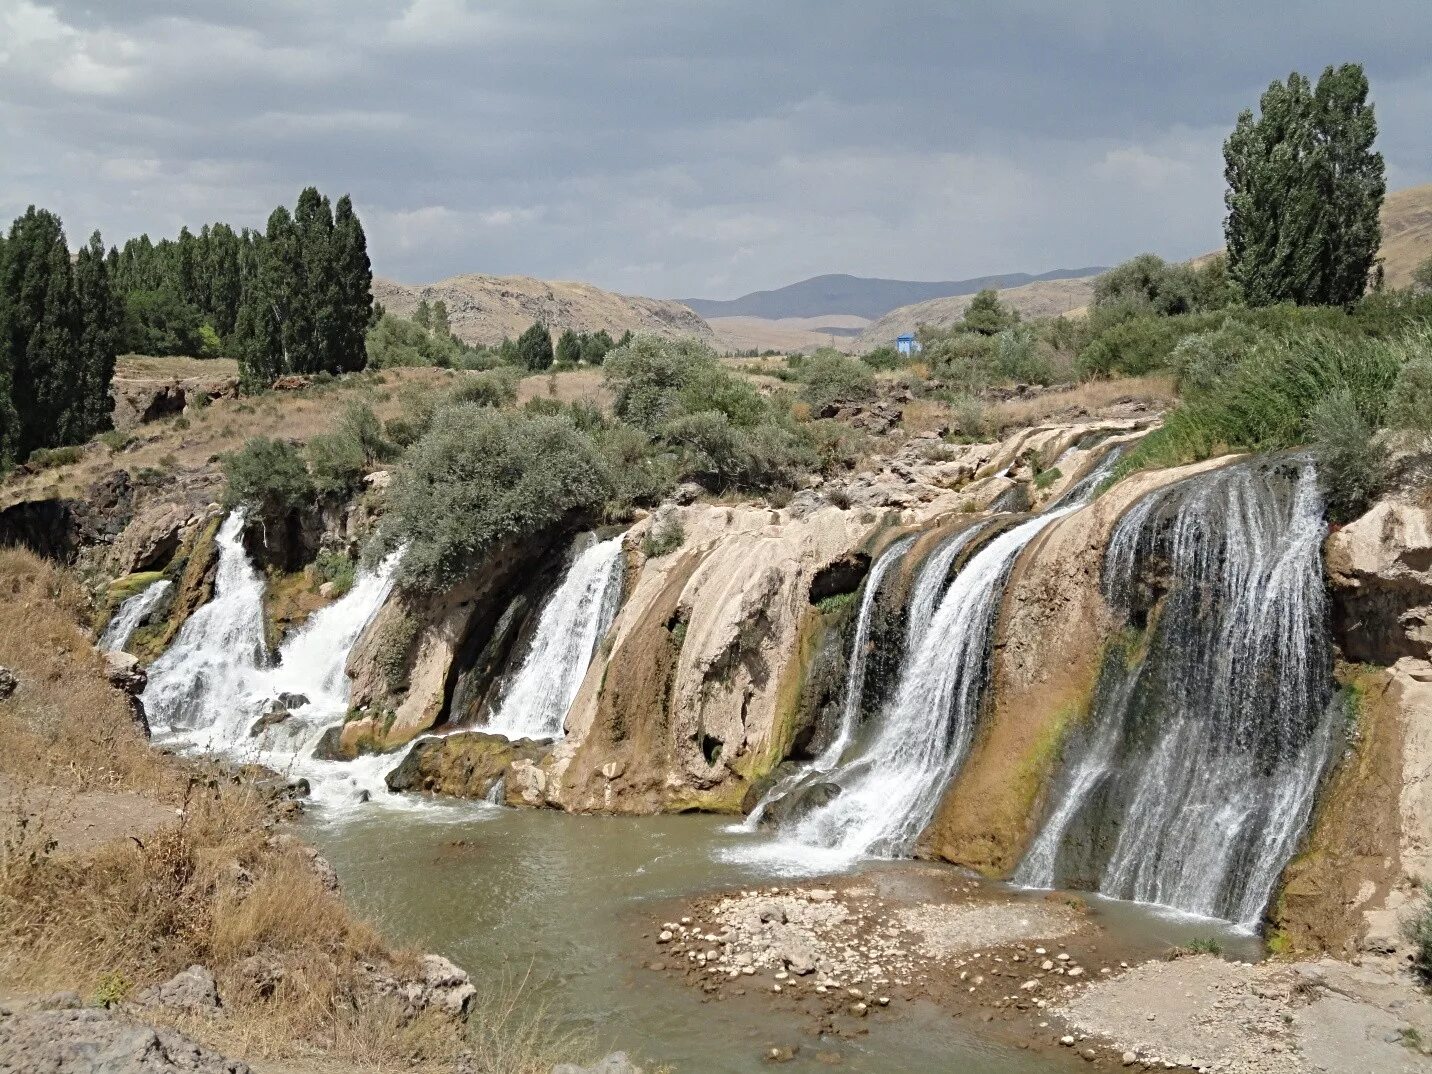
point(467, 764)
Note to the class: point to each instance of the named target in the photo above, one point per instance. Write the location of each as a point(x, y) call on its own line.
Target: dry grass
point(143, 367)
point(1089, 397)
point(579, 385)
point(203, 880)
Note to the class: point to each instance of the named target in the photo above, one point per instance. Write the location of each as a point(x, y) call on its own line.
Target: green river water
point(511, 893)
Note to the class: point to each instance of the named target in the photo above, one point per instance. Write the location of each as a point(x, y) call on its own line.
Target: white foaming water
point(208, 668)
point(854, 686)
point(534, 704)
point(208, 689)
point(131, 613)
point(888, 792)
point(1201, 768)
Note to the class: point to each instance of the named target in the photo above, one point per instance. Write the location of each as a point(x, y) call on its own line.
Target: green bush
point(495, 387)
point(1352, 460)
point(884, 357)
point(1417, 928)
point(1201, 359)
point(664, 538)
point(339, 459)
point(44, 458)
point(1020, 355)
point(1268, 401)
point(479, 476)
point(642, 472)
point(267, 475)
point(648, 377)
point(830, 377)
point(1409, 409)
point(721, 455)
point(394, 341)
point(336, 568)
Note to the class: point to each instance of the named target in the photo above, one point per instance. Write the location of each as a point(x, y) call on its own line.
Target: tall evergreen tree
point(1304, 191)
point(439, 319)
point(534, 347)
point(37, 332)
point(101, 313)
point(569, 347)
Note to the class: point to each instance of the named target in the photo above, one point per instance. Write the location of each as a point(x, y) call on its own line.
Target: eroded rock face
point(90, 1041)
point(402, 667)
point(1050, 639)
point(465, 764)
point(1381, 572)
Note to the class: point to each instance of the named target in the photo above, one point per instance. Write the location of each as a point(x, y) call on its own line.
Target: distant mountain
point(1043, 298)
point(860, 296)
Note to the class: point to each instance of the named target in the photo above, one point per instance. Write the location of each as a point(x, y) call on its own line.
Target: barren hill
point(1044, 299)
point(485, 309)
point(1406, 232)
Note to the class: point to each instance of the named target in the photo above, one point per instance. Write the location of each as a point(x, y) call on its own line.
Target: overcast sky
point(680, 147)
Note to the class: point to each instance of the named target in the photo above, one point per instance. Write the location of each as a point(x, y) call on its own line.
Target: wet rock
point(292, 701)
point(93, 1041)
point(616, 1063)
point(465, 765)
point(193, 989)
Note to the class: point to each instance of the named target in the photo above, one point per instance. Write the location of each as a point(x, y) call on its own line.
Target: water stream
point(131, 614)
point(573, 621)
point(1197, 772)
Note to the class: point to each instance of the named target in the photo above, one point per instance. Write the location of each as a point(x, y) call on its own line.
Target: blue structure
point(907, 344)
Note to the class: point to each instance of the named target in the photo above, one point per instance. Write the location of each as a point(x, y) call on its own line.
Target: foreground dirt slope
point(486, 309)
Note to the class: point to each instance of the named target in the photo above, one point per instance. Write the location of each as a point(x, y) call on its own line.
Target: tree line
point(296, 298)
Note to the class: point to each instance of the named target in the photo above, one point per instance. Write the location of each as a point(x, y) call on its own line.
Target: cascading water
point(885, 794)
point(209, 666)
point(207, 690)
point(854, 689)
point(1199, 769)
point(534, 704)
point(131, 613)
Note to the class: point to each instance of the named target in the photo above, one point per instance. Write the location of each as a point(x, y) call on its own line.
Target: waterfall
point(534, 704)
point(208, 667)
point(854, 689)
point(131, 613)
point(212, 684)
point(1197, 772)
point(881, 797)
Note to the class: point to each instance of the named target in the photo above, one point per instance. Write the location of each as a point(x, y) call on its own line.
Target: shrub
point(268, 475)
point(830, 377)
point(722, 456)
point(1205, 945)
point(1149, 281)
point(495, 387)
point(664, 538)
point(336, 568)
point(115, 440)
point(641, 472)
point(1409, 409)
point(44, 458)
point(1132, 347)
point(479, 476)
point(394, 341)
point(967, 418)
point(340, 458)
point(648, 375)
point(1020, 355)
point(883, 357)
point(1352, 460)
point(1201, 359)
point(1417, 928)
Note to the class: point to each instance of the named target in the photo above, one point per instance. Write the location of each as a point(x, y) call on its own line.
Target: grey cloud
point(678, 147)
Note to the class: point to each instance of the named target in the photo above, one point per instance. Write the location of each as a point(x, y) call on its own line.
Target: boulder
point(193, 989)
point(616, 1063)
point(1381, 571)
point(90, 1041)
point(467, 764)
point(125, 673)
point(444, 986)
point(8, 684)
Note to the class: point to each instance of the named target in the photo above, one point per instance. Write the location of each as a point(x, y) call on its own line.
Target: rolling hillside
point(485, 309)
point(858, 295)
point(1044, 299)
point(1406, 232)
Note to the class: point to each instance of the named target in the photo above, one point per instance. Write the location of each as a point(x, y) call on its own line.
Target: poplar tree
point(101, 313)
point(37, 333)
point(569, 347)
point(534, 347)
point(1304, 191)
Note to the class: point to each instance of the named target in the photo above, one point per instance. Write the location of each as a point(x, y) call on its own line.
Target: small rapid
point(572, 623)
point(131, 614)
point(1196, 775)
